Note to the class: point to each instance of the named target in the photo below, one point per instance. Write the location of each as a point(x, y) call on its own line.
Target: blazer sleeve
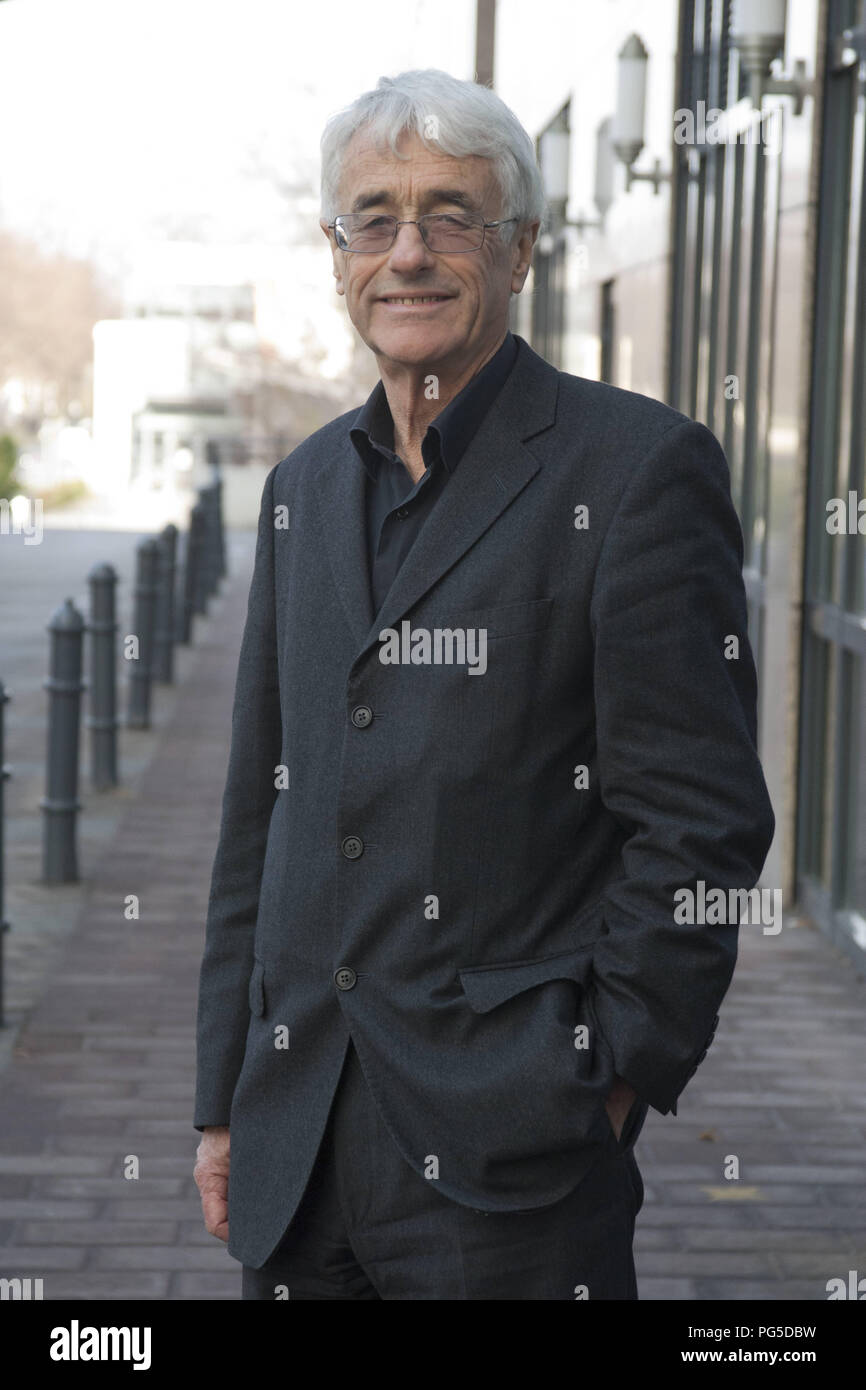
point(677, 756)
point(247, 804)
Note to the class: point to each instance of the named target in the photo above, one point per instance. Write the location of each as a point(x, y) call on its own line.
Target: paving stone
point(14, 1186)
point(81, 1090)
point(96, 1233)
point(163, 1257)
point(201, 1285)
point(826, 1218)
point(681, 1217)
point(157, 1151)
point(757, 1291)
point(17, 1208)
point(131, 1106)
point(693, 1263)
point(193, 1233)
point(761, 1238)
point(822, 1266)
point(736, 1193)
point(152, 1188)
point(109, 1286)
point(24, 1259)
point(144, 1207)
point(55, 1165)
point(652, 1287)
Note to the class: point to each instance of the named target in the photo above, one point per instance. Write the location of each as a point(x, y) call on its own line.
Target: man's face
point(475, 286)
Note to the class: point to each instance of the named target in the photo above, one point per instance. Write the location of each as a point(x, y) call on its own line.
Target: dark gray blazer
point(439, 878)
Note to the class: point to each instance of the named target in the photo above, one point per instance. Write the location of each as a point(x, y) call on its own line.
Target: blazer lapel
point(494, 469)
point(341, 501)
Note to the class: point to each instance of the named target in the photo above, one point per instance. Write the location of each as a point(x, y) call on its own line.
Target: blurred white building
point(205, 326)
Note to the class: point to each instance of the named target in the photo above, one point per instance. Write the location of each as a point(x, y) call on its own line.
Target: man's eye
point(366, 223)
point(452, 219)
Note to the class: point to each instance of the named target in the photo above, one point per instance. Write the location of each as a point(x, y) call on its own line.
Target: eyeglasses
point(442, 232)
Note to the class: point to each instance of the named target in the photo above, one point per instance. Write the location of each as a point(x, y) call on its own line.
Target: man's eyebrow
point(456, 196)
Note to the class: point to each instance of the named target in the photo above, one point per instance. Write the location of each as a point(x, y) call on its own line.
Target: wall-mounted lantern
point(554, 158)
point(758, 34)
point(627, 133)
point(605, 163)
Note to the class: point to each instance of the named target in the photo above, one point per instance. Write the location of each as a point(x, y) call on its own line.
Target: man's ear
point(337, 270)
point(522, 253)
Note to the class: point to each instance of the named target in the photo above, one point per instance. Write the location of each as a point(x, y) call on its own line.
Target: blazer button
point(352, 847)
point(345, 977)
point(362, 715)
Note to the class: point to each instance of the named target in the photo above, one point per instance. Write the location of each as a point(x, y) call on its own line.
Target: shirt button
point(402, 512)
point(352, 847)
point(362, 715)
point(345, 977)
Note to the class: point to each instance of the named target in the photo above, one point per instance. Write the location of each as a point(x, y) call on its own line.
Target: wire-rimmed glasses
point(443, 232)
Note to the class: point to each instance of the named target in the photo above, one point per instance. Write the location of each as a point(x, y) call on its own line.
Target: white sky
point(116, 115)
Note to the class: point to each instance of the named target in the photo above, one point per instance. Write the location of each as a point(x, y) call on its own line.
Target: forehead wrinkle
point(381, 166)
point(459, 197)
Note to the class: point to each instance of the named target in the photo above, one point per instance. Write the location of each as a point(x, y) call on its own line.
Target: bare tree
point(49, 303)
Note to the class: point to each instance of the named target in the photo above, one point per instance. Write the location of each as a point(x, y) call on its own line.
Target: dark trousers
point(369, 1226)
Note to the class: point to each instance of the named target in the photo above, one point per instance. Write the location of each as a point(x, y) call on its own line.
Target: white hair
point(451, 117)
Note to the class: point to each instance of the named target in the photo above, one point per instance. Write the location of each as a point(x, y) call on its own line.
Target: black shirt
point(396, 508)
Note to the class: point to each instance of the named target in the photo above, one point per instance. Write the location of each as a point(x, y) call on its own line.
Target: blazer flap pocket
point(508, 619)
point(485, 986)
point(257, 989)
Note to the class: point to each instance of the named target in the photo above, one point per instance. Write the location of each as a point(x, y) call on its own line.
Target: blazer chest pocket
point(507, 619)
point(487, 986)
point(257, 989)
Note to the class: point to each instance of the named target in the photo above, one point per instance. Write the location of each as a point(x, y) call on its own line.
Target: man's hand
point(211, 1175)
point(619, 1101)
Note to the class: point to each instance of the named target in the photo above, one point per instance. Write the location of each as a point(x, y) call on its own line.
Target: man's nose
point(409, 248)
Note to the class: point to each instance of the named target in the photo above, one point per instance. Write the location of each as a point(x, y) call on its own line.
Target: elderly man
point(495, 714)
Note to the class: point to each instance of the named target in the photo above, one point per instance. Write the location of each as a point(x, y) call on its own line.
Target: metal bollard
point(221, 527)
point(141, 673)
point(187, 606)
point(60, 805)
point(198, 538)
point(5, 774)
point(207, 496)
point(102, 718)
point(163, 638)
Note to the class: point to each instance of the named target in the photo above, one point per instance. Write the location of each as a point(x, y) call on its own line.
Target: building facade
point(704, 162)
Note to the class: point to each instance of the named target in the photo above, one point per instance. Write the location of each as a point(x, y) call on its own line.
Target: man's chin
point(412, 346)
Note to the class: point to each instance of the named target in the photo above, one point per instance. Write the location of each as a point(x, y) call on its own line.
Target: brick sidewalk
point(104, 1069)
point(104, 1066)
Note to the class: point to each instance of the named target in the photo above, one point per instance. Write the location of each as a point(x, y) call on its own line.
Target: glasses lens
point(365, 233)
point(450, 231)
point(446, 231)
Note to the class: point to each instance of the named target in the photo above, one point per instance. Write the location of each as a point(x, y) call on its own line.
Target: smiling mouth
point(412, 299)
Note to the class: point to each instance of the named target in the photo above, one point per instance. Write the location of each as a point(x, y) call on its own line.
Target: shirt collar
point(452, 431)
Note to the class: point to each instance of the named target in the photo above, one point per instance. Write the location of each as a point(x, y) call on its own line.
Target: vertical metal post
point(141, 673)
point(198, 556)
point(214, 453)
point(187, 607)
point(163, 652)
point(60, 805)
point(221, 526)
point(210, 499)
point(101, 719)
point(4, 925)
point(485, 41)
